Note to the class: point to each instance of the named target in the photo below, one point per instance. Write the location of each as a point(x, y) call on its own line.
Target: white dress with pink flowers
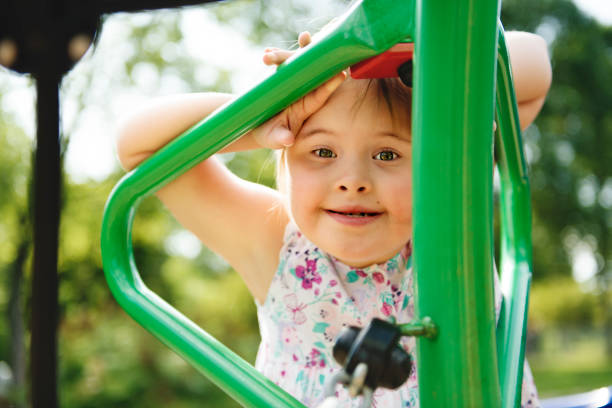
point(312, 296)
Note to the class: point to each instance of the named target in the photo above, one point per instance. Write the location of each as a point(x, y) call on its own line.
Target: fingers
point(317, 98)
point(301, 110)
point(304, 39)
point(276, 56)
point(274, 133)
point(335, 82)
point(280, 131)
point(280, 137)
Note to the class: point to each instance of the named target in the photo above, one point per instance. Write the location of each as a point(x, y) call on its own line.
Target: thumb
point(279, 137)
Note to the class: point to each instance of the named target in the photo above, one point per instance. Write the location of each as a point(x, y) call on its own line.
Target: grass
point(553, 382)
point(570, 362)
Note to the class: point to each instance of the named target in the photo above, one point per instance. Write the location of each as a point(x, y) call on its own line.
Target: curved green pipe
point(516, 255)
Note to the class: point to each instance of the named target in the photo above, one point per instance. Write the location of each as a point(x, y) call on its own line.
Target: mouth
point(355, 214)
point(354, 217)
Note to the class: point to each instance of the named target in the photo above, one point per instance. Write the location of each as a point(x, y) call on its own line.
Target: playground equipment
point(461, 67)
point(455, 56)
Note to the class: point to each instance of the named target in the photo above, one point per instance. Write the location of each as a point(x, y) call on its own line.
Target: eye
point(386, 155)
point(325, 153)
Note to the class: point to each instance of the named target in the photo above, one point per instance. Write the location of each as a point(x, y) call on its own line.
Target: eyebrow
point(315, 131)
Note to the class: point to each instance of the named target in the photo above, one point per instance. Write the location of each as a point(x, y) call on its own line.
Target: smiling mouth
point(355, 214)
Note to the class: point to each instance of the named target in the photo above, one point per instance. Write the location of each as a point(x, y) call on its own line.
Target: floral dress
point(312, 297)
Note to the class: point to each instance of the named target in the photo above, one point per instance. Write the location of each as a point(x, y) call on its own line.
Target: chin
point(360, 259)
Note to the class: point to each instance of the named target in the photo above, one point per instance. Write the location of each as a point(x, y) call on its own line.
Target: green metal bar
point(455, 45)
point(515, 234)
point(368, 28)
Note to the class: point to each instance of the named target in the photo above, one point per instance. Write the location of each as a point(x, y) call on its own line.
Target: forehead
point(361, 103)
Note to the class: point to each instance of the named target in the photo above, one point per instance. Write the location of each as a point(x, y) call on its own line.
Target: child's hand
point(276, 56)
point(280, 131)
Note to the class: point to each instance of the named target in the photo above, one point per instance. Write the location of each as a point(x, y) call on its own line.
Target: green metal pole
point(455, 46)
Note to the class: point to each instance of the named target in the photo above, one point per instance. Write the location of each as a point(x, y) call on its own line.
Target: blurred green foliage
point(106, 360)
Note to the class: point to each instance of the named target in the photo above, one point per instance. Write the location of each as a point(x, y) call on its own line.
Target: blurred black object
point(389, 365)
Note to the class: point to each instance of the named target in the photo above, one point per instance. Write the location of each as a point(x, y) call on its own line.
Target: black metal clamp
point(372, 357)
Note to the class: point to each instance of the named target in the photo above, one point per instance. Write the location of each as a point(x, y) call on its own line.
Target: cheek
point(402, 208)
point(399, 201)
point(305, 190)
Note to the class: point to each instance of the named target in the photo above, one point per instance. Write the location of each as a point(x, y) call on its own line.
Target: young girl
point(332, 247)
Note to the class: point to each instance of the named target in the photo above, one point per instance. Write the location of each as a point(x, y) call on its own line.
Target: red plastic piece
point(383, 65)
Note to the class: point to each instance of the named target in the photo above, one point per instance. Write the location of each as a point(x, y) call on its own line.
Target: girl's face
point(350, 179)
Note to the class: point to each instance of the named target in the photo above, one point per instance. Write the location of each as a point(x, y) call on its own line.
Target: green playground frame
point(461, 71)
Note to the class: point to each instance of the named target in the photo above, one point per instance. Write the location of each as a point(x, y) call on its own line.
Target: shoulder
point(293, 237)
point(296, 247)
point(531, 72)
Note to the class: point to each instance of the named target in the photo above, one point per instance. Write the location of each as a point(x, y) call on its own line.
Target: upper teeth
point(354, 214)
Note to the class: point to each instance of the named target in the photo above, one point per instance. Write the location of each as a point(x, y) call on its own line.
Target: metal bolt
point(78, 46)
point(8, 52)
point(424, 327)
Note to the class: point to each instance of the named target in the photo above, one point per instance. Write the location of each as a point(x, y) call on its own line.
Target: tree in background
point(571, 154)
point(15, 247)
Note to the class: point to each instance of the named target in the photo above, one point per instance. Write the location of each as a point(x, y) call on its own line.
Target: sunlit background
point(107, 360)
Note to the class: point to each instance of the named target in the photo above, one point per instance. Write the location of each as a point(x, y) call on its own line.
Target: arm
point(208, 199)
point(531, 72)
point(242, 221)
point(144, 132)
point(153, 126)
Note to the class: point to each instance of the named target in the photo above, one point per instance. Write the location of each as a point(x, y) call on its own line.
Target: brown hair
point(392, 92)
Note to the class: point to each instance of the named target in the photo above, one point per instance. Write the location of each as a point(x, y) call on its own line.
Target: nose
point(351, 187)
point(355, 178)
